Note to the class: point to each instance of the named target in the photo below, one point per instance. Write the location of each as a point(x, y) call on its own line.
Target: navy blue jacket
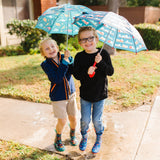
point(62, 83)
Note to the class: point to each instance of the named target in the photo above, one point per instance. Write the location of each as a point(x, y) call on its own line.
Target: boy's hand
point(98, 58)
point(91, 69)
point(66, 55)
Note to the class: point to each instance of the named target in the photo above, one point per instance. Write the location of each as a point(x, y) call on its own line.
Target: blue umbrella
point(113, 29)
point(60, 19)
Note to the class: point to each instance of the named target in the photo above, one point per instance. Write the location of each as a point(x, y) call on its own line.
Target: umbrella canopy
point(59, 19)
point(113, 30)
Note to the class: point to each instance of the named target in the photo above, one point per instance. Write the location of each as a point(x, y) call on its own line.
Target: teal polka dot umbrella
point(59, 20)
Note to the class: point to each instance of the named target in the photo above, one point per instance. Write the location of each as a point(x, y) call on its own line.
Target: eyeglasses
point(89, 39)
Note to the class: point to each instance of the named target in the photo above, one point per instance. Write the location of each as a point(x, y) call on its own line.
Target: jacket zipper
point(65, 87)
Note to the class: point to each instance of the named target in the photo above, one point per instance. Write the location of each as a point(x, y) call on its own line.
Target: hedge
point(150, 34)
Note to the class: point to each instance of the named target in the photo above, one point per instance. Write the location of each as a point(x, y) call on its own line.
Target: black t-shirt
point(93, 89)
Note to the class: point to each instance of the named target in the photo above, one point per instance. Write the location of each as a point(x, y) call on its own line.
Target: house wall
point(152, 14)
point(45, 4)
point(15, 9)
point(2, 31)
point(19, 9)
point(42, 5)
point(37, 8)
point(11, 9)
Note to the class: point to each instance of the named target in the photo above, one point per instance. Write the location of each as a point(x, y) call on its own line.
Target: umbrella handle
point(92, 75)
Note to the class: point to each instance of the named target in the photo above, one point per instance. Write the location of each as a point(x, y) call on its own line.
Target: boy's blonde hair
point(87, 28)
point(45, 40)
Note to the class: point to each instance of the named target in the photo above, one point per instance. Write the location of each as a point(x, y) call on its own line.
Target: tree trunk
point(113, 5)
point(123, 3)
point(72, 1)
point(67, 1)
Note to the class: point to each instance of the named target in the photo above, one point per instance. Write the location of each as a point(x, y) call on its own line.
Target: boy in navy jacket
point(59, 68)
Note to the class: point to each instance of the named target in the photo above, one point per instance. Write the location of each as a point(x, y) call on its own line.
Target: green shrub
point(150, 34)
point(62, 47)
point(71, 48)
point(74, 42)
point(100, 44)
point(25, 29)
point(34, 51)
point(135, 3)
point(11, 51)
point(74, 46)
point(158, 23)
point(59, 38)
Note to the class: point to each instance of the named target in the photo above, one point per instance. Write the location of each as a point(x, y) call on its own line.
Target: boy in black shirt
point(93, 91)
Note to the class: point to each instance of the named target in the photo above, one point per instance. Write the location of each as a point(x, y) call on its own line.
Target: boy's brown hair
point(44, 40)
point(87, 28)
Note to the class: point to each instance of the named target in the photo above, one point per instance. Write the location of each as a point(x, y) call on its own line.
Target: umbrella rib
point(105, 40)
point(93, 24)
point(72, 23)
point(67, 30)
point(56, 19)
point(115, 38)
point(134, 44)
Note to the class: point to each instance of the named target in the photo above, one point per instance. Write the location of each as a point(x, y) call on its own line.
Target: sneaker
point(83, 143)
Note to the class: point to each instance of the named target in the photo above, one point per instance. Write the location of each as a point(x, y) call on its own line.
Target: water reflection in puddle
point(111, 142)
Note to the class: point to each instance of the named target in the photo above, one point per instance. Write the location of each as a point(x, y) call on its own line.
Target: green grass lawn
point(136, 78)
point(135, 81)
point(13, 151)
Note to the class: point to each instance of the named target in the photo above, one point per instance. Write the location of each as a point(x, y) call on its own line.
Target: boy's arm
point(79, 72)
point(105, 65)
point(55, 75)
point(67, 55)
point(70, 64)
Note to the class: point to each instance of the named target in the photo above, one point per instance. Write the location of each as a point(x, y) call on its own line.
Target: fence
point(135, 15)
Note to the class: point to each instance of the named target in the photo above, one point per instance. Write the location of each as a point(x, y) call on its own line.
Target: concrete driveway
point(132, 135)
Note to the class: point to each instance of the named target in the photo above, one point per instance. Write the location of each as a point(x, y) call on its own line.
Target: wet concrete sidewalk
point(132, 135)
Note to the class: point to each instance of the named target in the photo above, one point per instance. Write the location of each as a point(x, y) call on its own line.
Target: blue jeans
point(97, 112)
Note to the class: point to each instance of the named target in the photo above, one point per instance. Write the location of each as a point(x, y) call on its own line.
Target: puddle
point(109, 140)
point(112, 142)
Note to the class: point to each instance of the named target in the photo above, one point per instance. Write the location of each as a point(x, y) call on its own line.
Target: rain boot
point(97, 145)
point(73, 141)
point(83, 143)
point(58, 143)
